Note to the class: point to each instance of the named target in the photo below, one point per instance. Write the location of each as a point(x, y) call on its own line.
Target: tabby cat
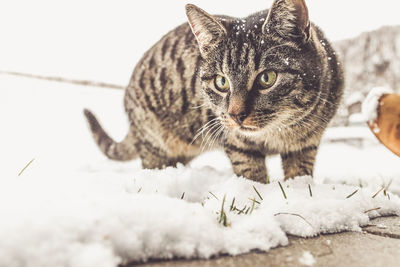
point(266, 84)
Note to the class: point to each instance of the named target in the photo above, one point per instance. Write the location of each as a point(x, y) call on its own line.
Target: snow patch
point(307, 259)
point(354, 98)
point(370, 105)
point(381, 226)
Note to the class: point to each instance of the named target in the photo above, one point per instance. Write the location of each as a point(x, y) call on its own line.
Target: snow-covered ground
point(73, 207)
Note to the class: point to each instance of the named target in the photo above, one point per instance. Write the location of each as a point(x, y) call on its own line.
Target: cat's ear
point(207, 30)
point(289, 19)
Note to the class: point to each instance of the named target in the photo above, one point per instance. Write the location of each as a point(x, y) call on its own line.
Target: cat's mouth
point(241, 127)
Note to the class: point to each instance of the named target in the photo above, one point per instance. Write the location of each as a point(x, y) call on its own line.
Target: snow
point(307, 259)
point(381, 226)
point(73, 207)
point(356, 118)
point(370, 105)
point(353, 98)
point(348, 133)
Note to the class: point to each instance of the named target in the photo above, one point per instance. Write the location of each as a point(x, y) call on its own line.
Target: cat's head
point(260, 72)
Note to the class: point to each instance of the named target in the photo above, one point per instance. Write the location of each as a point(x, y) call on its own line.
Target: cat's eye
point(267, 79)
point(222, 83)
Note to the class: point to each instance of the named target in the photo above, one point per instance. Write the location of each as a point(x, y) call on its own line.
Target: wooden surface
point(388, 122)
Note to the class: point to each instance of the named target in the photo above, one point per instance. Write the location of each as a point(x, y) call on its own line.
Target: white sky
point(103, 40)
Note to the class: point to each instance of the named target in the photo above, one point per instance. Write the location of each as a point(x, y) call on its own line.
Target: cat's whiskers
point(209, 128)
point(275, 126)
point(311, 126)
point(319, 117)
point(206, 125)
point(310, 117)
point(199, 106)
point(208, 137)
point(204, 128)
point(320, 96)
point(216, 135)
point(201, 133)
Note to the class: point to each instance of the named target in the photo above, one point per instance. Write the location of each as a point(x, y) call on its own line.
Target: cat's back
point(165, 79)
point(169, 58)
point(163, 97)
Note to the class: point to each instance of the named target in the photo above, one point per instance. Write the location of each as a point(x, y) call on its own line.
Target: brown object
point(387, 126)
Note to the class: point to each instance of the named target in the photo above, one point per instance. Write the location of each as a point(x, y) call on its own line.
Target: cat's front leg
point(299, 163)
point(247, 163)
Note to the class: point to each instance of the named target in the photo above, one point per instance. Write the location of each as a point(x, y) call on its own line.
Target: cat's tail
point(122, 151)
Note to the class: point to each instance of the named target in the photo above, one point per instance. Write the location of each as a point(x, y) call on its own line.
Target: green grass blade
point(352, 194)
point(283, 191)
point(27, 165)
point(232, 205)
point(213, 195)
point(258, 193)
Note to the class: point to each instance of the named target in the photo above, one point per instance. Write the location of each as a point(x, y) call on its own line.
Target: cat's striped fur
point(175, 110)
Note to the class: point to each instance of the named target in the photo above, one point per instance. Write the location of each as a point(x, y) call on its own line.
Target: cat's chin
point(247, 131)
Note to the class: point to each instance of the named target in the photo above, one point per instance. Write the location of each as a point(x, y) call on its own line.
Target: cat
point(266, 84)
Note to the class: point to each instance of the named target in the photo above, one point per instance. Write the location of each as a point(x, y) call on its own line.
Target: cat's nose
point(238, 118)
point(237, 108)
